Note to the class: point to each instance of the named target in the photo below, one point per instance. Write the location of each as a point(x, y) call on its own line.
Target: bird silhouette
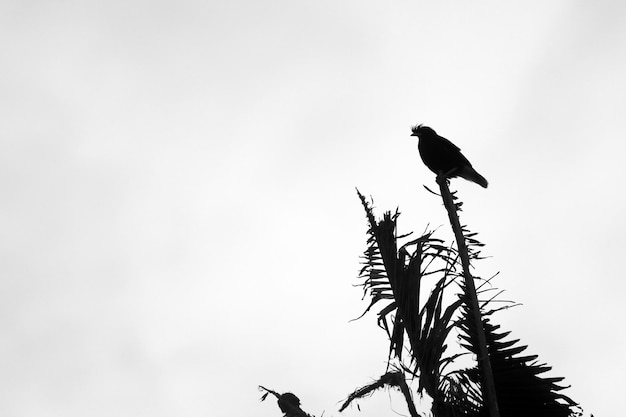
point(443, 157)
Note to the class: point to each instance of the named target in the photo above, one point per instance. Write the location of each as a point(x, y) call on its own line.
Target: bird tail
point(470, 174)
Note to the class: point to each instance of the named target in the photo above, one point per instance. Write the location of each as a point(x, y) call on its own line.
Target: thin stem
point(489, 389)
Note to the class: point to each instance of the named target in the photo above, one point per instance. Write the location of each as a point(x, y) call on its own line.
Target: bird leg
point(445, 175)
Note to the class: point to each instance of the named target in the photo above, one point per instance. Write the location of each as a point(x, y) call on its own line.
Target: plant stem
point(488, 385)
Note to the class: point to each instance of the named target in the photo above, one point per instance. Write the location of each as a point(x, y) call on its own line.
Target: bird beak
point(413, 134)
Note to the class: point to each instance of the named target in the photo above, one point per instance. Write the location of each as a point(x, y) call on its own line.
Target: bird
point(443, 157)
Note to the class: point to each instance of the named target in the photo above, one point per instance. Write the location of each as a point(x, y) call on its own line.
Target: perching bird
point(443, 157)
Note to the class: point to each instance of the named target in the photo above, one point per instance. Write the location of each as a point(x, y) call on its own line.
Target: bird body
point(443, 157)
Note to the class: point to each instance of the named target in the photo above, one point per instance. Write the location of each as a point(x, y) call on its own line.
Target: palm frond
point(520, 390)
point(391, 379)
point(395, 277)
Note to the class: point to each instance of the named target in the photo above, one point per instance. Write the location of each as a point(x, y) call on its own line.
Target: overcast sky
point(179, 222)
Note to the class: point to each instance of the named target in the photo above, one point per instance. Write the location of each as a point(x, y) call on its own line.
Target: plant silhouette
point(501, 383)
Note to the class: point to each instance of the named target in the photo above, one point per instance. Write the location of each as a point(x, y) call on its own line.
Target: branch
point(489, 389)
point(392, 379)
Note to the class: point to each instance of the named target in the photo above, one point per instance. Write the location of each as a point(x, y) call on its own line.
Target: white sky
point(178, 216)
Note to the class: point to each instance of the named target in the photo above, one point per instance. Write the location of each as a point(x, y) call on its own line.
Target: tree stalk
point(488, 384)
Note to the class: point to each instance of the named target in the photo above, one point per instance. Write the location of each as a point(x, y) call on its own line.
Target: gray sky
point(179, 220)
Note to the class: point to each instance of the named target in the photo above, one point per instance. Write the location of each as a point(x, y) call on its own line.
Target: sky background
point(179, 222)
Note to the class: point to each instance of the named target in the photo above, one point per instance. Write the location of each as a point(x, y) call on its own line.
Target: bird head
point(421, 130)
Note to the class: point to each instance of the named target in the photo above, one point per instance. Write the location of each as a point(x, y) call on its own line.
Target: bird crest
point(418, 129)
